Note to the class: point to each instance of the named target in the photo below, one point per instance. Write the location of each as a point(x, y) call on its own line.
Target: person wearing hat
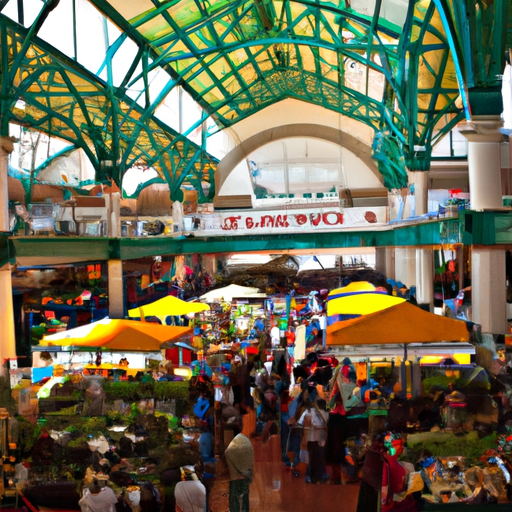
point(97, 499)
point(240, 459)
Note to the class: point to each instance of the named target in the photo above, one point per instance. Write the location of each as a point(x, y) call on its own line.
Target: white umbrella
point(233, 291)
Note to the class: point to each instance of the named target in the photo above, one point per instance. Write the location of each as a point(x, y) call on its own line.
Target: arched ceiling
point(389, 64)
point(400, 67)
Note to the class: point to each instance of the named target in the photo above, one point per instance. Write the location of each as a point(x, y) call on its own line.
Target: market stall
point(378, 319)
point(400, 323)
point(421, 381)
point(113, 338)
point(114, 333)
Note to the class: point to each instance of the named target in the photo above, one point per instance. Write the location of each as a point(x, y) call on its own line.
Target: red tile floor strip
point(275, 489)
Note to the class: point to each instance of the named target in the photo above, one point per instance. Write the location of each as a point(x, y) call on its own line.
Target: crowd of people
point(315, 408)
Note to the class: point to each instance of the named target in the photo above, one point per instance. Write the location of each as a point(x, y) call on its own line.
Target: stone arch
point(246, 147)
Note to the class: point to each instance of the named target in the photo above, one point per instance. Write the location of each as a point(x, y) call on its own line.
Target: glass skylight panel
point(169, 110)
point(217, 144)
point(123, 59)
point(157, 80)
point(31, 8)
point(90, 37)
point(134, 176)
point(393, 11)
point(136, 92)
point(11, 10)
point(191, 113)
point(113, 31)
point(58, 29)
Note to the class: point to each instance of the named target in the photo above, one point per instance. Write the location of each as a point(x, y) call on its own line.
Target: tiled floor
point(275, 489)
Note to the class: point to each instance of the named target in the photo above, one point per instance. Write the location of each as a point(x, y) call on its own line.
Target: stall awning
point(359, 298)
point(168, 306)
point(402, 323)
point(389, 351)
point(113, 334)
point(233, 291)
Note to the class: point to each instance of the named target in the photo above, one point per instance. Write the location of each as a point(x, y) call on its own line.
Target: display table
point(456, 507)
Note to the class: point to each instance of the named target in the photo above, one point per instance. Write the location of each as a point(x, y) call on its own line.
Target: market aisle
point(275, 489)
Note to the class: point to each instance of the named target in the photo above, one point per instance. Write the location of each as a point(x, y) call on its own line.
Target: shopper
point(314, 422)
point(284, 400)
point(240, 458)
point(336, 429)
point(97, 499)
point(206, 444)
point(190, 496)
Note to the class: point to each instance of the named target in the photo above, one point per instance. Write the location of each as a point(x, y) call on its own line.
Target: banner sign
point(310, 219)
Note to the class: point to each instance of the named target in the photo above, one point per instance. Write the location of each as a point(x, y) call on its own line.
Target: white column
point(115, 289)
point(420, 181)
point(7, 333)
point(488, 289)
point(115, 215)
point(405, 265)
point(484, 161)
point(425, 277)
point(385, 261)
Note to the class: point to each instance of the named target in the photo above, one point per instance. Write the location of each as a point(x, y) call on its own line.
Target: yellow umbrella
point(168, 306)
point(359, 298)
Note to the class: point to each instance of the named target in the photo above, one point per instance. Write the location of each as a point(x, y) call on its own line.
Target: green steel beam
point(221, 29)
point(87, 249)
point(487, 228)
point(53, 250)
point(89, 116)
point(484, 32)
point(424, 82)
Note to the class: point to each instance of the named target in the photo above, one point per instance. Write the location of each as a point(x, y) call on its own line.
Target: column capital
point(482, 129)
point(7, 144)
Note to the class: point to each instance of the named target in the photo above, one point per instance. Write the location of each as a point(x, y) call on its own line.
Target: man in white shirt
point(96, 499)
point(314, 420)
point(275, 336)
point(190, 496)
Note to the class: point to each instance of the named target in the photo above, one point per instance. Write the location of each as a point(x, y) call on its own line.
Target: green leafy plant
point(469, 445)
point(134, 391)
point(78, 442)
point(94, 425)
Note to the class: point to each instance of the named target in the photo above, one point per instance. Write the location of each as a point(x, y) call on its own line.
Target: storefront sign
point(299, 220)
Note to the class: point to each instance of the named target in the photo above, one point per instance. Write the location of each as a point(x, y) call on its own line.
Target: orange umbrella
point(402, 323)
point(128, 335)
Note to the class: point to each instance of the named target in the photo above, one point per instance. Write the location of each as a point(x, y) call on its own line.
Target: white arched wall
point(233, 184)
point(292, 111)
